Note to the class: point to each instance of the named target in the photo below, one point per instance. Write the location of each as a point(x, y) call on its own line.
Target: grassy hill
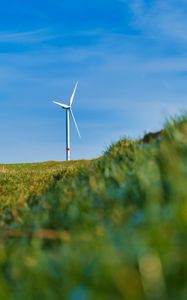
point(113, 228)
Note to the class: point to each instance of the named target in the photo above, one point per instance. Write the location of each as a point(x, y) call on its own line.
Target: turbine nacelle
point(64, 106)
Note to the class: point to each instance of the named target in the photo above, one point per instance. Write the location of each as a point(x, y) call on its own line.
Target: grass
point(112, 228)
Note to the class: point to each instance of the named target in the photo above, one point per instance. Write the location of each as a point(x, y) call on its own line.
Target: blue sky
point(130, 57)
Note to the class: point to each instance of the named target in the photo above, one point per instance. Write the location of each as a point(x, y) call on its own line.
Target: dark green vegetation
point(109, 229)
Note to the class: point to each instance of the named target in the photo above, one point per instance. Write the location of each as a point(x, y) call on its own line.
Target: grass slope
point(113, 228)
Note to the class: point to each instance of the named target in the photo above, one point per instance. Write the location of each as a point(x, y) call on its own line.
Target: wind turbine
point(69, 112)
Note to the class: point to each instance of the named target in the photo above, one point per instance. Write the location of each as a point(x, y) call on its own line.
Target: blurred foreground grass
point(113, 228)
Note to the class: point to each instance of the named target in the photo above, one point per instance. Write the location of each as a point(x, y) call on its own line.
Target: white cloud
point(33, 36)
point(160, 19)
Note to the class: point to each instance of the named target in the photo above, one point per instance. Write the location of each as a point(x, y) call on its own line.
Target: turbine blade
point(75, 123)
point(61, 104)
point(73, 95)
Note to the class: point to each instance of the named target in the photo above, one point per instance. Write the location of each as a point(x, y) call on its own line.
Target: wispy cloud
point(33, 36)
point(160, 19)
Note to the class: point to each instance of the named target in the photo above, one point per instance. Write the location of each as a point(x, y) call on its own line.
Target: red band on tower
point(68, 149)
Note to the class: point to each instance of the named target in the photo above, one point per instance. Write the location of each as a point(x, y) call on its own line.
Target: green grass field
point(108, 229)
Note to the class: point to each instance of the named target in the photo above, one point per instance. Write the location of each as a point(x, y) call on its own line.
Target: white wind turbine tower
point(69, 111)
